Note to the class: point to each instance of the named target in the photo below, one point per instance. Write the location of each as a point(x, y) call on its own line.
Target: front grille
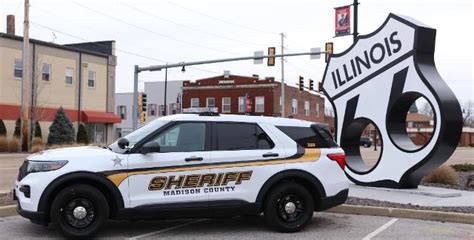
point(23, 170)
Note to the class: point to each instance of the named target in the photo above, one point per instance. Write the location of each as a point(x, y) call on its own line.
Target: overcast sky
point(150, 32)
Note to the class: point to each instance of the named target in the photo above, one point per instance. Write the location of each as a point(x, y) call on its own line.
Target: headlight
point(40, 166)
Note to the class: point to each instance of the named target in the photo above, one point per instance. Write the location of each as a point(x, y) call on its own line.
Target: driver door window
point(185, 137)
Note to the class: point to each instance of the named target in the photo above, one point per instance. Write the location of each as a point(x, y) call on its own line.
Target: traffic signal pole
point(138, 69)
point(282, 75)
point(356, 33)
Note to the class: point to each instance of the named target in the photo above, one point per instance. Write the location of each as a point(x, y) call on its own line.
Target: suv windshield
point(139, 134)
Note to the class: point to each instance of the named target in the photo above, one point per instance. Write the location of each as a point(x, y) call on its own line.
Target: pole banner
point(343, 21)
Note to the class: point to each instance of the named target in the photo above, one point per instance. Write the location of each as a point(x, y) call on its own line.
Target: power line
point(223, 20)
point(189, 27)
point(118, 49)
point(150, 31)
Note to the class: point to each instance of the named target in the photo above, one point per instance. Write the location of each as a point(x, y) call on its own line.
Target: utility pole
point(25, 86)
point(166, 90)
point(282, 75)
point(356, 33)
point(135, 99)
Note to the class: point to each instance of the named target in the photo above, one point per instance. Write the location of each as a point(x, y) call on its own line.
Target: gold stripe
point(310, 155)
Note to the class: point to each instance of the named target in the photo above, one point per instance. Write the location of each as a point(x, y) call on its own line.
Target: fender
point(83, 177)
point(291, 174)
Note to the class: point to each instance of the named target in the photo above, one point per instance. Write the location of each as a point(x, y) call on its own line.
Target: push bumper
point(335, 200)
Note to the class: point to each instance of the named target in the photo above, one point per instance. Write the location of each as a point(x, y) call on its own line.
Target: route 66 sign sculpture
point(376, 81)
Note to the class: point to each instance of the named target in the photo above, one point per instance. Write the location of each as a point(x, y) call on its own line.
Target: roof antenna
point(54, 36)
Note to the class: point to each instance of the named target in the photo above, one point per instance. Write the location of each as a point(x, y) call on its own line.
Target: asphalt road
point(324, 226)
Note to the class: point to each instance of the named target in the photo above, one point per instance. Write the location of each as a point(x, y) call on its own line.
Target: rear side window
point(241, 136)
point(309, 137)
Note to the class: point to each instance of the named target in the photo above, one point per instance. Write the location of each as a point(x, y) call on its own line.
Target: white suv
point(188, 165)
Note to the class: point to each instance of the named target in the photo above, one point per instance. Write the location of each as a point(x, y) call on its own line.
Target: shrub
point(14, 145)
point(17, 131)
point(443, 175)
point(37, 145)
point(465, 167)
point(3, 129)
point(82, 135)
point(38, 133)
point(61, 130)
point(3, 144)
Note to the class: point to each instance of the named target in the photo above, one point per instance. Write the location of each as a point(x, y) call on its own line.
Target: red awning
point(99, 117)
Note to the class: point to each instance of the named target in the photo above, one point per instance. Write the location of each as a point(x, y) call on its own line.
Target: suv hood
point(71, 153)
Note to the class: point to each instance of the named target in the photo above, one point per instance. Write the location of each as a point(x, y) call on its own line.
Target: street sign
point(315, 53)
point(375, 82)
point(258, 57)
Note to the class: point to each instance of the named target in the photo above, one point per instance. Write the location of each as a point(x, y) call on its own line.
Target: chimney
point(11, 24)
point(226, 74)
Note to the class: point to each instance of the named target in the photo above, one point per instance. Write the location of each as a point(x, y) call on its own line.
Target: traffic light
point(143, 102)
point(271, 56)
point(311, 85)
point(142, 117)
point(329, 50)
point(301, 85)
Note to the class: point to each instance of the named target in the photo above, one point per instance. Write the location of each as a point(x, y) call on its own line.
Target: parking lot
point(324, 226)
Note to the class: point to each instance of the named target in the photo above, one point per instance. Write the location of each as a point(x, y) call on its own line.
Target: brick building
point(228, 94)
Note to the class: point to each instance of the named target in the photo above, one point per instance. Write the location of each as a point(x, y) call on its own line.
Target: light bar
point(200, 110)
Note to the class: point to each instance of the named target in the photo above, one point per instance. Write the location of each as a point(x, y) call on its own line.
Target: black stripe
point(300, 153)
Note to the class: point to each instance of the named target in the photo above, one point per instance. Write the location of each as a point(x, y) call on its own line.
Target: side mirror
point(123, 143)
point(150, 147)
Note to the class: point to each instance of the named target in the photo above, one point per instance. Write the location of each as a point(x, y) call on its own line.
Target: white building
point(154, 104)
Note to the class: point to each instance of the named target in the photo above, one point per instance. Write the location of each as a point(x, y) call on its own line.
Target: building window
point(260, 104)
point(18, 73)
point(306, 108)
point(46, 72)
point(151, 109)
point(194, 102)
point(91, 79)
point(69, 74)
point(294, 106)
point(122, 111)
point(161, 110)
point(174, 108)
point(210, 102)
point(226, 104)
point(241, 104)
point(317, 109)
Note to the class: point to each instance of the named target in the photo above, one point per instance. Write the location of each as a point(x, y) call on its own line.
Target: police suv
point(188, 165)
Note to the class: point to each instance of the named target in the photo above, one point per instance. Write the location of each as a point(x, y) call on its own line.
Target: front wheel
point(289, 207)
point(79, 211)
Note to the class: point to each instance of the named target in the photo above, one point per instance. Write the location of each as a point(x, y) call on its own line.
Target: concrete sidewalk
point(422, 196)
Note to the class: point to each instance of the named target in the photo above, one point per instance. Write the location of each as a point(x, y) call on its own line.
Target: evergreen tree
point(82, 135)
point(413, 108)
point(3, 129)
point(38, 132)
point(61, 130)
point(17, 132)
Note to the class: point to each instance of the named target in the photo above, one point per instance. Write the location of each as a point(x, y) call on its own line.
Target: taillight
point(340, 158)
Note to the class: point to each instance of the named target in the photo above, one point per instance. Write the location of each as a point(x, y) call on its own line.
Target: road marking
point(380, 229)
point(165, 230)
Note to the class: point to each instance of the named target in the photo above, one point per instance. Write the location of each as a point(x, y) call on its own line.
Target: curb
point(405, 213)
point(7, 211)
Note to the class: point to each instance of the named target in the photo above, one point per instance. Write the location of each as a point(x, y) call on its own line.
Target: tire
point(279, 204)
point(92, 211)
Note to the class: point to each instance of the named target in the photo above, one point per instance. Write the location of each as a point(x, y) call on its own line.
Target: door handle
point(192, 159)
point(270, 155)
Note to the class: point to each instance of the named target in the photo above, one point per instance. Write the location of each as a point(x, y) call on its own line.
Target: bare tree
point(467, 111)
point(426, 109)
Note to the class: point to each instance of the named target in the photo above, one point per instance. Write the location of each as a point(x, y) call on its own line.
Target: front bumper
point(332, 201)
point(35, 217)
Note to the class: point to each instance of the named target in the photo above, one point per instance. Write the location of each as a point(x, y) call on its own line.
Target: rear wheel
point(79, 211)
point(289, 207)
